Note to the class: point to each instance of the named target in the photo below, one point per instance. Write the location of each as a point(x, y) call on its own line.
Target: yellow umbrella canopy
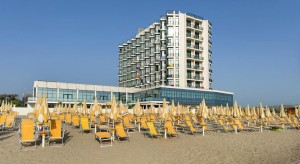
point(268, 112)
point(228, 113)
point(235, 110)
point(282, 113)
point(44, 113)
point(273, 112)
point(2, 106)
point(203, 109)
point(253, 111)
point(261, 111)
point(121, 108)
point(247, 111)
point(84, 108)
point(165, 108)
point(136, 108)
point(75, 107)
point(297, 111)
point(152, 108)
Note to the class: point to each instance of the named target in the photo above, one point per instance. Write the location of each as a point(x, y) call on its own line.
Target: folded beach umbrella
point(235, 110)
point(273, 112)
point(165, 108)
point(44, 113)
point(152, 108)
point(204, 110)
point(84, 108)
point(253, 112)
point(261, 111)
point(282, 113)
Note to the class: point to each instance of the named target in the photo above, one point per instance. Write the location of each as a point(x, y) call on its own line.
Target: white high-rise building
point(174, 51)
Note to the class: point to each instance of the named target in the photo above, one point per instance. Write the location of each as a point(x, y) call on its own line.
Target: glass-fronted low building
point(58, 92)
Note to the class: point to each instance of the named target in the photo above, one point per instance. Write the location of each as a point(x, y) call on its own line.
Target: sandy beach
point(244, 147)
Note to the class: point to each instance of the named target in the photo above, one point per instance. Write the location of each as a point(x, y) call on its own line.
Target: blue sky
point(256, 44)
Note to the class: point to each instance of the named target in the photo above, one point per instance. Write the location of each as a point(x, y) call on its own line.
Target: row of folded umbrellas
point(6, 107)
point(115, 110)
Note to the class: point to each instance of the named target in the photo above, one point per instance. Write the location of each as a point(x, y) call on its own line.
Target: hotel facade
point(170, 59)
point(174, 51)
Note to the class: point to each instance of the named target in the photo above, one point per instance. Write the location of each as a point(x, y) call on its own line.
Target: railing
point(199, 27)
point(199, 78)
point(188, 35)
point(189, 77)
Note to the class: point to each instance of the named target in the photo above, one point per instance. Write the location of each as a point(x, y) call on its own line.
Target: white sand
point(244, 147)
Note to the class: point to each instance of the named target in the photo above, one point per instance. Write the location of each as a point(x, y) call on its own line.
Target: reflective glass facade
point(182, 96)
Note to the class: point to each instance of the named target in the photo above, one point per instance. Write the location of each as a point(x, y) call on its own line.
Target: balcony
point(189, 66)
point(198, 78)
point(189, 25)
point(198, 27)
point(189, 45)
point(210, 34)
point(210, 42)
point(210, 52)
point(210, 80)
point(210, 71)
point(189, 76)
point(189, 35)
point(189, 55)
point(210, 61)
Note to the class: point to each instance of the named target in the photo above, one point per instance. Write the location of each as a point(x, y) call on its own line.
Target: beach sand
point(244, 147)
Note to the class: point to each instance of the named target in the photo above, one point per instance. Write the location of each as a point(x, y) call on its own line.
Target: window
point(170, 52)
point(170, 21)
point(170, 31)
point(176, 42)
point(176, 52)
point(176, 20)
point(176, 31)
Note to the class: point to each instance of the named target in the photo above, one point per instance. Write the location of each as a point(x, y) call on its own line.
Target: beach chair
point(127, 123)
point(31, 116)
point(2, 119)
point(9, 123)
point(56, 132)
point(85, 125)
point(120, 132)
point(191, 128)
point(75, 121)
point(171, 132)
point(27, 133)
point(68, 118)
point(143, 122)
point(152, 132)
point(103, 137)
point(103, 120)
point(62, 117)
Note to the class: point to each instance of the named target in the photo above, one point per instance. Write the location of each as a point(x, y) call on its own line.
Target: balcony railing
point(189, 77)
point(199, 78)
point(188, 35)
point(210, 71)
